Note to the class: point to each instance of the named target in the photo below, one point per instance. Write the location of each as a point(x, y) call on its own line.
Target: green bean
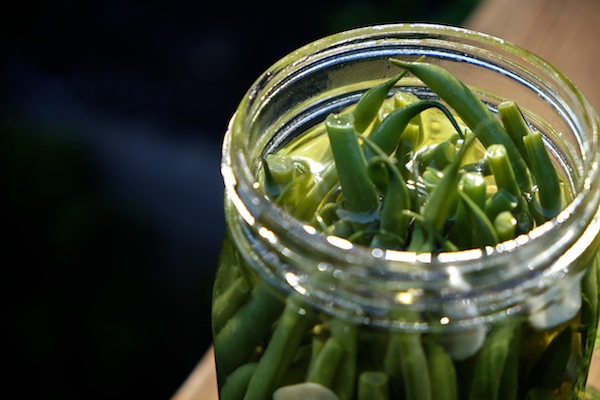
point(407, 145)
point(539, 394)
point(524, 219)
point(481, 166)
point(438, 155)
point(501, 167)
point(411, 136)
point(279, 170)
point(278, 355)
point(471, 109)
point(505, 225)
point(236, 384)
point(384, 111)
point(307, 207)
point(431, 178)
point(346, 334)
point(369, 103)
point(441, 202)
point(391, 363)
point(397, 198)
point(286, 179)
point(226, 304)
point(378, 172)
point(590, 314)
point(500, 201)
point(474, 185)
point(509, 380)
point(341, 228)
point(325, 216)
point(515, 125)
point(545, 176)
point(304, 391)
point(294, 192)
point(326, 363)
point(413, 128)
point(386, 135)
point(402, 98)
point(460, 232)
point(439, 205)
point(482, 231)
point(441, 368)
point(226, 277)
point(505, 178)
point(317, 343)
point(490, 361)
point(254, 319)
point(413, 364)
point(552, 364)
point(360, 195)
point(373, 385)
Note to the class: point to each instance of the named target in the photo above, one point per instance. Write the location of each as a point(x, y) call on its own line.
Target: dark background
point(111, 117)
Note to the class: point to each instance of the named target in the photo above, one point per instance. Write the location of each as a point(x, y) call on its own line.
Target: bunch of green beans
point(484, 179)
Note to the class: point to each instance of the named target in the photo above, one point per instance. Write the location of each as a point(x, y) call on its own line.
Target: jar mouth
point(547, 250)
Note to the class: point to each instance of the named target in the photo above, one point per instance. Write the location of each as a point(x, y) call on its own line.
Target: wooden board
point(564, 32)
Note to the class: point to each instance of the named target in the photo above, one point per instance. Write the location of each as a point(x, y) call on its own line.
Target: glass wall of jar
point(302, 310)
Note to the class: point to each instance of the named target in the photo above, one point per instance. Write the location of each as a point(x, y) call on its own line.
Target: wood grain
point(201, 384)
point(564, 32)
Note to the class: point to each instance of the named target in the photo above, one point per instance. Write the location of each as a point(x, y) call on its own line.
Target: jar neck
point(373, 285)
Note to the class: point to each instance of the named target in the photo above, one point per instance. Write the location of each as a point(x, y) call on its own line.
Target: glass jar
point(516, 320)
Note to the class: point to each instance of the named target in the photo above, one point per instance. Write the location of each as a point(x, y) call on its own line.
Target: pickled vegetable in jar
point(412, 214)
